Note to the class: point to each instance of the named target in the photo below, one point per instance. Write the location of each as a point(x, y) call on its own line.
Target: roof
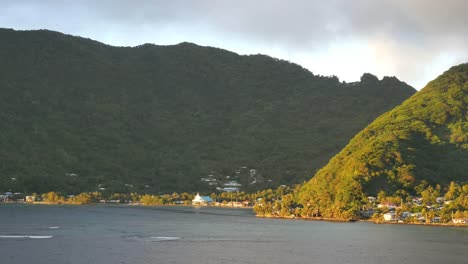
point(206, 198)
point(199, 198)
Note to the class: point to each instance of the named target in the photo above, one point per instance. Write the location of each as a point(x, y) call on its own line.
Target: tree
point(82, 198)
point(52, 197)
point(453, 191)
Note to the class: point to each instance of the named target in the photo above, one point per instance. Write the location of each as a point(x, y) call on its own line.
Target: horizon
point(414, 41)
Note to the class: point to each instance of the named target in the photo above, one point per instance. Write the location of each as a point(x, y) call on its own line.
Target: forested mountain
point(418, 145)
point(77, 114)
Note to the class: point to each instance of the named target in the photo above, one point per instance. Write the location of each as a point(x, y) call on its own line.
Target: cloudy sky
point(415, 40)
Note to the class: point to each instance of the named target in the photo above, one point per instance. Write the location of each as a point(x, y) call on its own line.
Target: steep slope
point(161, 117)
point(422, 141)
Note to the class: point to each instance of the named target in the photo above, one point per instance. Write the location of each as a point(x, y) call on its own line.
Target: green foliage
point(406, 151)
point(151, 200)
point(52, 197)
point(82, 198)
point(159, 118)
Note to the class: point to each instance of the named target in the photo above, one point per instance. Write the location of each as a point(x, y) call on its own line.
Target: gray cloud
point(411, 39)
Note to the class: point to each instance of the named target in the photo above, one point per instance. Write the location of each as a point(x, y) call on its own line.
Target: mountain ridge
point(166, 116)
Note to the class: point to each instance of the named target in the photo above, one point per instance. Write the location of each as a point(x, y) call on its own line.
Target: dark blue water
point(125, 234)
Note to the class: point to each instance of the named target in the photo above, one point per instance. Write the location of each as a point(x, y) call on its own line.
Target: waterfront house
point(202, 200)
point(390, 216)
point(422, 219)
point(366, 213)
point(405, 215)
point(460, 220)
point(30, 199)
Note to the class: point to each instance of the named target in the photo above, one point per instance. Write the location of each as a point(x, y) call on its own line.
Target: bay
point(107, 234)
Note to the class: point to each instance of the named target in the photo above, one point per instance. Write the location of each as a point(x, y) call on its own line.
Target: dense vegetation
point(185, 198)
point(432, 205)
point(78, 115)
point(407, 151)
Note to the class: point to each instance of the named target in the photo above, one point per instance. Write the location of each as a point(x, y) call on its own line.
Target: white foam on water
point(31, 237)
point(163, 238)
point(54, 227)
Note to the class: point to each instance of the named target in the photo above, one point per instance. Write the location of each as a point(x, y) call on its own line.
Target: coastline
point(361, 220)
point(127, 204)
point(322, 219)
point(310, 218)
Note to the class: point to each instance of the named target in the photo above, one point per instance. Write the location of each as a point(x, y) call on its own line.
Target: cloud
point(410, 39)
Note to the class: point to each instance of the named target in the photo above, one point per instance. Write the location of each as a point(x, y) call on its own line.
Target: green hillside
point(421, 143)
point(77, 114)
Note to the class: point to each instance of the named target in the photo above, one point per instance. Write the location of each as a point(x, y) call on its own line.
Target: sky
point(414, 40)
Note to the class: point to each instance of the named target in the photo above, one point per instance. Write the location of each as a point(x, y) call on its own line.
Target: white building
point(202, 200)
point(230, 189)
point(232, 184)
point(371, 199)
point(367, 213)
point(460, 220)
point(387, 205)
point(390, 216)
point(30, 199)
point(405, 215)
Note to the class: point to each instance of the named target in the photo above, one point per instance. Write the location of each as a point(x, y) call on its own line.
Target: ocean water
point(128, 234)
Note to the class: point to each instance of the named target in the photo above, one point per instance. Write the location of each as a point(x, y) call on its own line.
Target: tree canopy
point(78, 115)
point(419, 144)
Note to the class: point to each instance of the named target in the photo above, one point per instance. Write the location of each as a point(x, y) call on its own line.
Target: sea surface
point(116, 234)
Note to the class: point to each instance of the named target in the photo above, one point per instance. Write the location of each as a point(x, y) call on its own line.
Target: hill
point(418, 145)
point(78, 115)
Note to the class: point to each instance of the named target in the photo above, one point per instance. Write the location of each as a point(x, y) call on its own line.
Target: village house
point(371, 199)
point(440, 200)
point(390, 216)
point(405, 215)
point(387, 204)
point(417, 201)
point(366, 213)
point(202, 200)
point(230, 189)
point(460, 220)
point(232, 184)
point(30, 199)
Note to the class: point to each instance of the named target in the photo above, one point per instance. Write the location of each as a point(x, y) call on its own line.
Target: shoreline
point(129, 204)
point(322, 219)
point(362, 220)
